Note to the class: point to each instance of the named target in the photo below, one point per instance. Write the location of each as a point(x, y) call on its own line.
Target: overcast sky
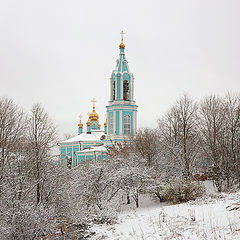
point(61, 53)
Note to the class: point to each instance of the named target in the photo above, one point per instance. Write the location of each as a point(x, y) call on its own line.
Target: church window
point(111, 124)
point(127, 125)
point(126, 90)
point(114, 83)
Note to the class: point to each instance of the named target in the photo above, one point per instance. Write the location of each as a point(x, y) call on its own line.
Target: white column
point(121, 87)
point(135, 121)
point(120, 122)
point(111, 97)
point(114, 122)
point(131, 92)
point(108, 123)
point(132, 89)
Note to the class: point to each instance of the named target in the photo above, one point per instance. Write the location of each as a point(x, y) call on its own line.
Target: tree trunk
point(137, 203)
point(128, 199)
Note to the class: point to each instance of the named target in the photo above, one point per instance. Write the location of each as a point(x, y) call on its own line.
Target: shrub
point(179, 190)
point(156, 191)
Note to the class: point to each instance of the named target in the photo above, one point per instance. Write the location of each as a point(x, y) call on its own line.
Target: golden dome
point(80, 125)
point(122, 45)
point(93, 116)
point(89, 123)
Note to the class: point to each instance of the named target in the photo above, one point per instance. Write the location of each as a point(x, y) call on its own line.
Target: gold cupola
point(89, 123)
point(80, 125)
point(93, 116)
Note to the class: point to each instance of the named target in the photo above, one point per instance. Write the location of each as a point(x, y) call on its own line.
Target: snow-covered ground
point(207, 218)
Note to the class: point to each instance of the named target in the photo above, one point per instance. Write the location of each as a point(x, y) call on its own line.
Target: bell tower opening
point(114, 88)
point(126, 90)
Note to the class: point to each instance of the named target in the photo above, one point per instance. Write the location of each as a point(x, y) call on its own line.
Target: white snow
point(204, 219)
point(94, 149)
point(94, 136)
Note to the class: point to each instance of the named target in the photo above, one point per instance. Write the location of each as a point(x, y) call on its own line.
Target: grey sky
point(62, 53)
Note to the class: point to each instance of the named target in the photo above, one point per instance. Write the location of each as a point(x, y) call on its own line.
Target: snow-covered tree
point(230, 140)
point(12, 129)
point(41, 141)
point(146, 145)
point(178, 131)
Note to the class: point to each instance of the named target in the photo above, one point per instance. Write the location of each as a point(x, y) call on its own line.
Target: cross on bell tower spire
point(122, 45)
point(122, 35)
point(93, 101)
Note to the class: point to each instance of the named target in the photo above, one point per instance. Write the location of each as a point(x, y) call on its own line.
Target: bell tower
point(121, 109)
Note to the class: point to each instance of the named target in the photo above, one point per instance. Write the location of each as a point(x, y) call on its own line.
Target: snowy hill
point(208, 218)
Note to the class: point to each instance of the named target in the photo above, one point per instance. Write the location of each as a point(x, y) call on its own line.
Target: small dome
point(122, 45)
point(80, 125)
point(89, 123)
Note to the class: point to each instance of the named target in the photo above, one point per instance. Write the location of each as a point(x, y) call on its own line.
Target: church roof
point(94, 136)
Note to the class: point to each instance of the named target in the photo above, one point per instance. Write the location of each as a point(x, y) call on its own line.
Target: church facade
point(120, 125)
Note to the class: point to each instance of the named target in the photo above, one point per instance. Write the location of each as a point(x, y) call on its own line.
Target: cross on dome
point(122, 45)
point(80, 125)
point(93, 116)
point(122, 35)
point(94, 101)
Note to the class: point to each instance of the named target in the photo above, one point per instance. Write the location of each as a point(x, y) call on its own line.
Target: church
point(92, 142)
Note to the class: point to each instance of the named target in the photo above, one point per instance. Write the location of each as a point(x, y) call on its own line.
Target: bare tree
point(178, 131)
point(229, 141)
point(41, 140)
point(232, 138)
point(12, 126)
point(146, 145)
point(212, 117)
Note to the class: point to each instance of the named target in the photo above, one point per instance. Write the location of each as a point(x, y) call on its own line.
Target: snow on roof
point(94, 149)
point(94, 136)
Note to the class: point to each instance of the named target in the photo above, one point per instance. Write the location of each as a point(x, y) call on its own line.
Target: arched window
point(125, 90)
point(114, 83)
point(127, 125)
point(111, 124)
